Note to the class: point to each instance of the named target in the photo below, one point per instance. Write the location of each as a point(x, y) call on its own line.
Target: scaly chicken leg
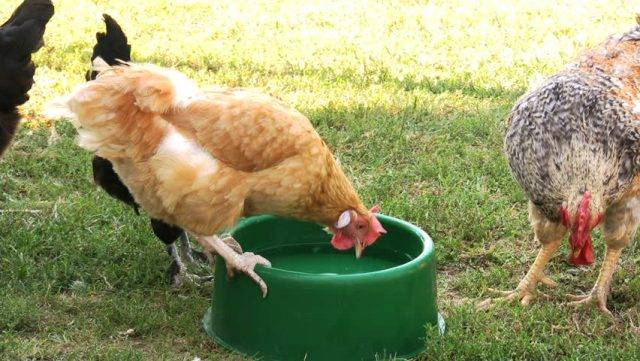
point(620, 225)
point(600, 290)
point(178, 271)
point(229, 241)
point(525, 292)
point(548, 233)
point(244, 262)
point(192, 255)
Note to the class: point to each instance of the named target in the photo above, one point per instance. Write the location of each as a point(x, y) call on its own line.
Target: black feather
point(165, 232)
point(107, 179)
point(20, 36)
point(8, 124)
point(112, 47)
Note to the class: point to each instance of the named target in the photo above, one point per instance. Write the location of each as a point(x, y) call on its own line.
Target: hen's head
point(355, 230)
point(580, 226)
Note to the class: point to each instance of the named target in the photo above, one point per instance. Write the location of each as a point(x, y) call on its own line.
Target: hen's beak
point(359, 248)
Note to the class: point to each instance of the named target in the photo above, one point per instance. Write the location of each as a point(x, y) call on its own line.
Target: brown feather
point(201, 160)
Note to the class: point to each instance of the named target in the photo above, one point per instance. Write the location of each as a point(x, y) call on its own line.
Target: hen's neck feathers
point(334, 194)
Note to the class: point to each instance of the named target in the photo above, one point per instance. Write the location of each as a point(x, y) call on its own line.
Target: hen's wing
point(247, 130)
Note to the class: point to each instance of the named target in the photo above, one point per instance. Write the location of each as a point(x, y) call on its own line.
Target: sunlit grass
point(411, 95)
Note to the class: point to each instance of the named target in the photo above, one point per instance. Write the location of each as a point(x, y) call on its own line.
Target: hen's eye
point(361, 226)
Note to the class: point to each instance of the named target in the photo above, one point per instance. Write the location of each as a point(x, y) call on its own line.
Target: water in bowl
point(324, 259)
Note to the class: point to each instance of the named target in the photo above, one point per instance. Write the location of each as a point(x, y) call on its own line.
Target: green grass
point(411, 95)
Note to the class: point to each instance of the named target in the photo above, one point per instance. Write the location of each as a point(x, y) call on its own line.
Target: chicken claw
point(548, 282)
point(180, 278)
point(178, 271)
point(229, 241)
point(246, 262)
point(525, 292)
point(525, 296)
point(595, 296)
point(600, 290)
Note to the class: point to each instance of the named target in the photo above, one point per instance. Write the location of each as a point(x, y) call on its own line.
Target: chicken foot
point(178, 271)
point(188, 253)
point(550, 235)
point(600, 291)
point(229, 241)
point(620, 226)
point(526, 290)
point(192, 255)
point(243, 262)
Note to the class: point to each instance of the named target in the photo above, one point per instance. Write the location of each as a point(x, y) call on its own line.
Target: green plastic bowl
point(325, 304)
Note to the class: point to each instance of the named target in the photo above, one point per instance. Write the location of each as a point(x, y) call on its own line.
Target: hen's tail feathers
point(111, 46)
point(119, 114)
point(155, 89)
point(20, 36)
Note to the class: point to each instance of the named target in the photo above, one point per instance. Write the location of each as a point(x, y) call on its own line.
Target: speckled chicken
point(203, 159)
point(573, 144)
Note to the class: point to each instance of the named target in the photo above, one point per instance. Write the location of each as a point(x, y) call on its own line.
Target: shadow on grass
point(466, 87)
point(366, 76)
point(440, 168)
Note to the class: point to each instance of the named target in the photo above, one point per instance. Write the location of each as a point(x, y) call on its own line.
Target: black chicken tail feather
point(20, 36)
point(111, 45)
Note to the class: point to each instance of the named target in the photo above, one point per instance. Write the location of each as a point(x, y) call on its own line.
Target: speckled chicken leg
point(620, 226)
point(244, 262)
point(178, 270)
point(600, 291)
point(185, 248)
point(548, 233)
point(188, 253)
point(526, 290)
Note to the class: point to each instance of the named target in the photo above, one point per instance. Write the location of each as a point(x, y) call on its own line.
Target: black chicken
point(20, 36)
point(113, 48)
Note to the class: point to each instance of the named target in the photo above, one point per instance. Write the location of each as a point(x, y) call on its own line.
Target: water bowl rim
point(418, 261)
